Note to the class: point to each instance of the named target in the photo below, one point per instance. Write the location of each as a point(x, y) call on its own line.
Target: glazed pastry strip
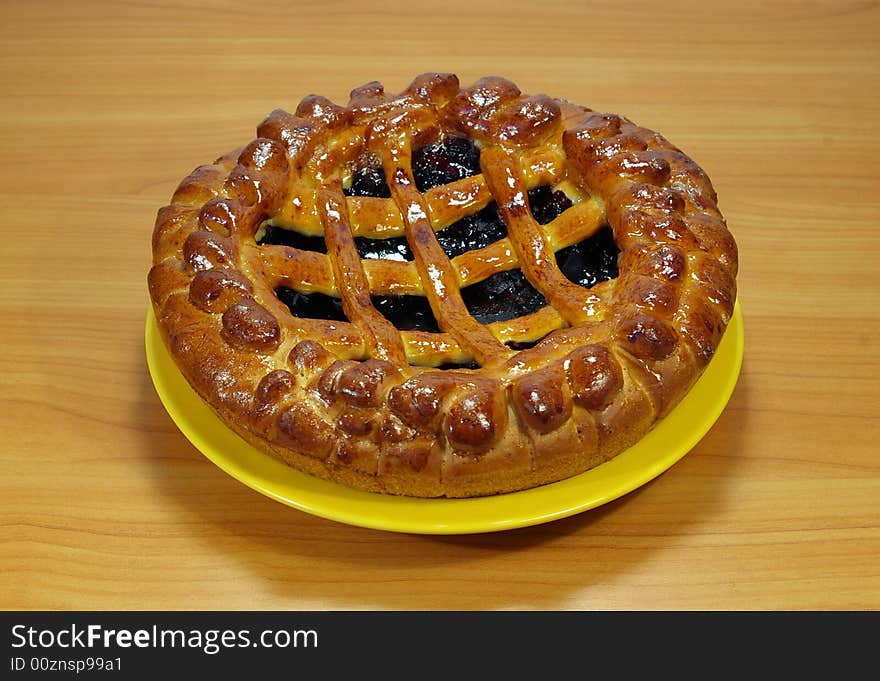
point(438, 277)
point(579, 222)
point(382, 338)
point(433, 349)
point(380, 218)
point(534, 251)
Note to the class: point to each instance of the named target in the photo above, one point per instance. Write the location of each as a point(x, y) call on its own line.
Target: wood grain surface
point(107, 105)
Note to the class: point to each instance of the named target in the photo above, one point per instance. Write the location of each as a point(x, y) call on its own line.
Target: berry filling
point(407, 313)
point(394, 248)
point(452, 159)
point(368, 182)
point(311, 305)
point(547, 204)
point(590, 261)
point(473, 232)
point(501, 297)
point(279, 236)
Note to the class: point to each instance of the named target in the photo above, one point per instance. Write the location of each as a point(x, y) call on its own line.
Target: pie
point(450, 291)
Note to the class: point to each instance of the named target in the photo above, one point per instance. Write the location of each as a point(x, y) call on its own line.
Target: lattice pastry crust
point(360, 402)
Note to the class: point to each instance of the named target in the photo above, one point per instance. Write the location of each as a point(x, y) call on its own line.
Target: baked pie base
point(361, 402)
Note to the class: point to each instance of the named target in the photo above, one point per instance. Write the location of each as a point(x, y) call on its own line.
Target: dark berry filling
point(546, 204)
point(368, 182)
point(473, 232)
point(278, 236)
point(407, 313)
point(311, 305)
point(452, 159)
point(590, 261)
point(393, 248)
point(501, 297)
point(522, 345)
point(468, 365)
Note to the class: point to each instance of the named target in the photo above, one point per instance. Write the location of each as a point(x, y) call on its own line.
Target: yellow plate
point(671, 439)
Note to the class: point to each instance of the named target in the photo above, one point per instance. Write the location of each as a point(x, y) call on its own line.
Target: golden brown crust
point(358, 402)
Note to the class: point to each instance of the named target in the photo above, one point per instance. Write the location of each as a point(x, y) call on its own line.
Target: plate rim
point(326, 499)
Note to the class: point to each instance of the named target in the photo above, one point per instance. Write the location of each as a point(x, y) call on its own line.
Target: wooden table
point(105, 106)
